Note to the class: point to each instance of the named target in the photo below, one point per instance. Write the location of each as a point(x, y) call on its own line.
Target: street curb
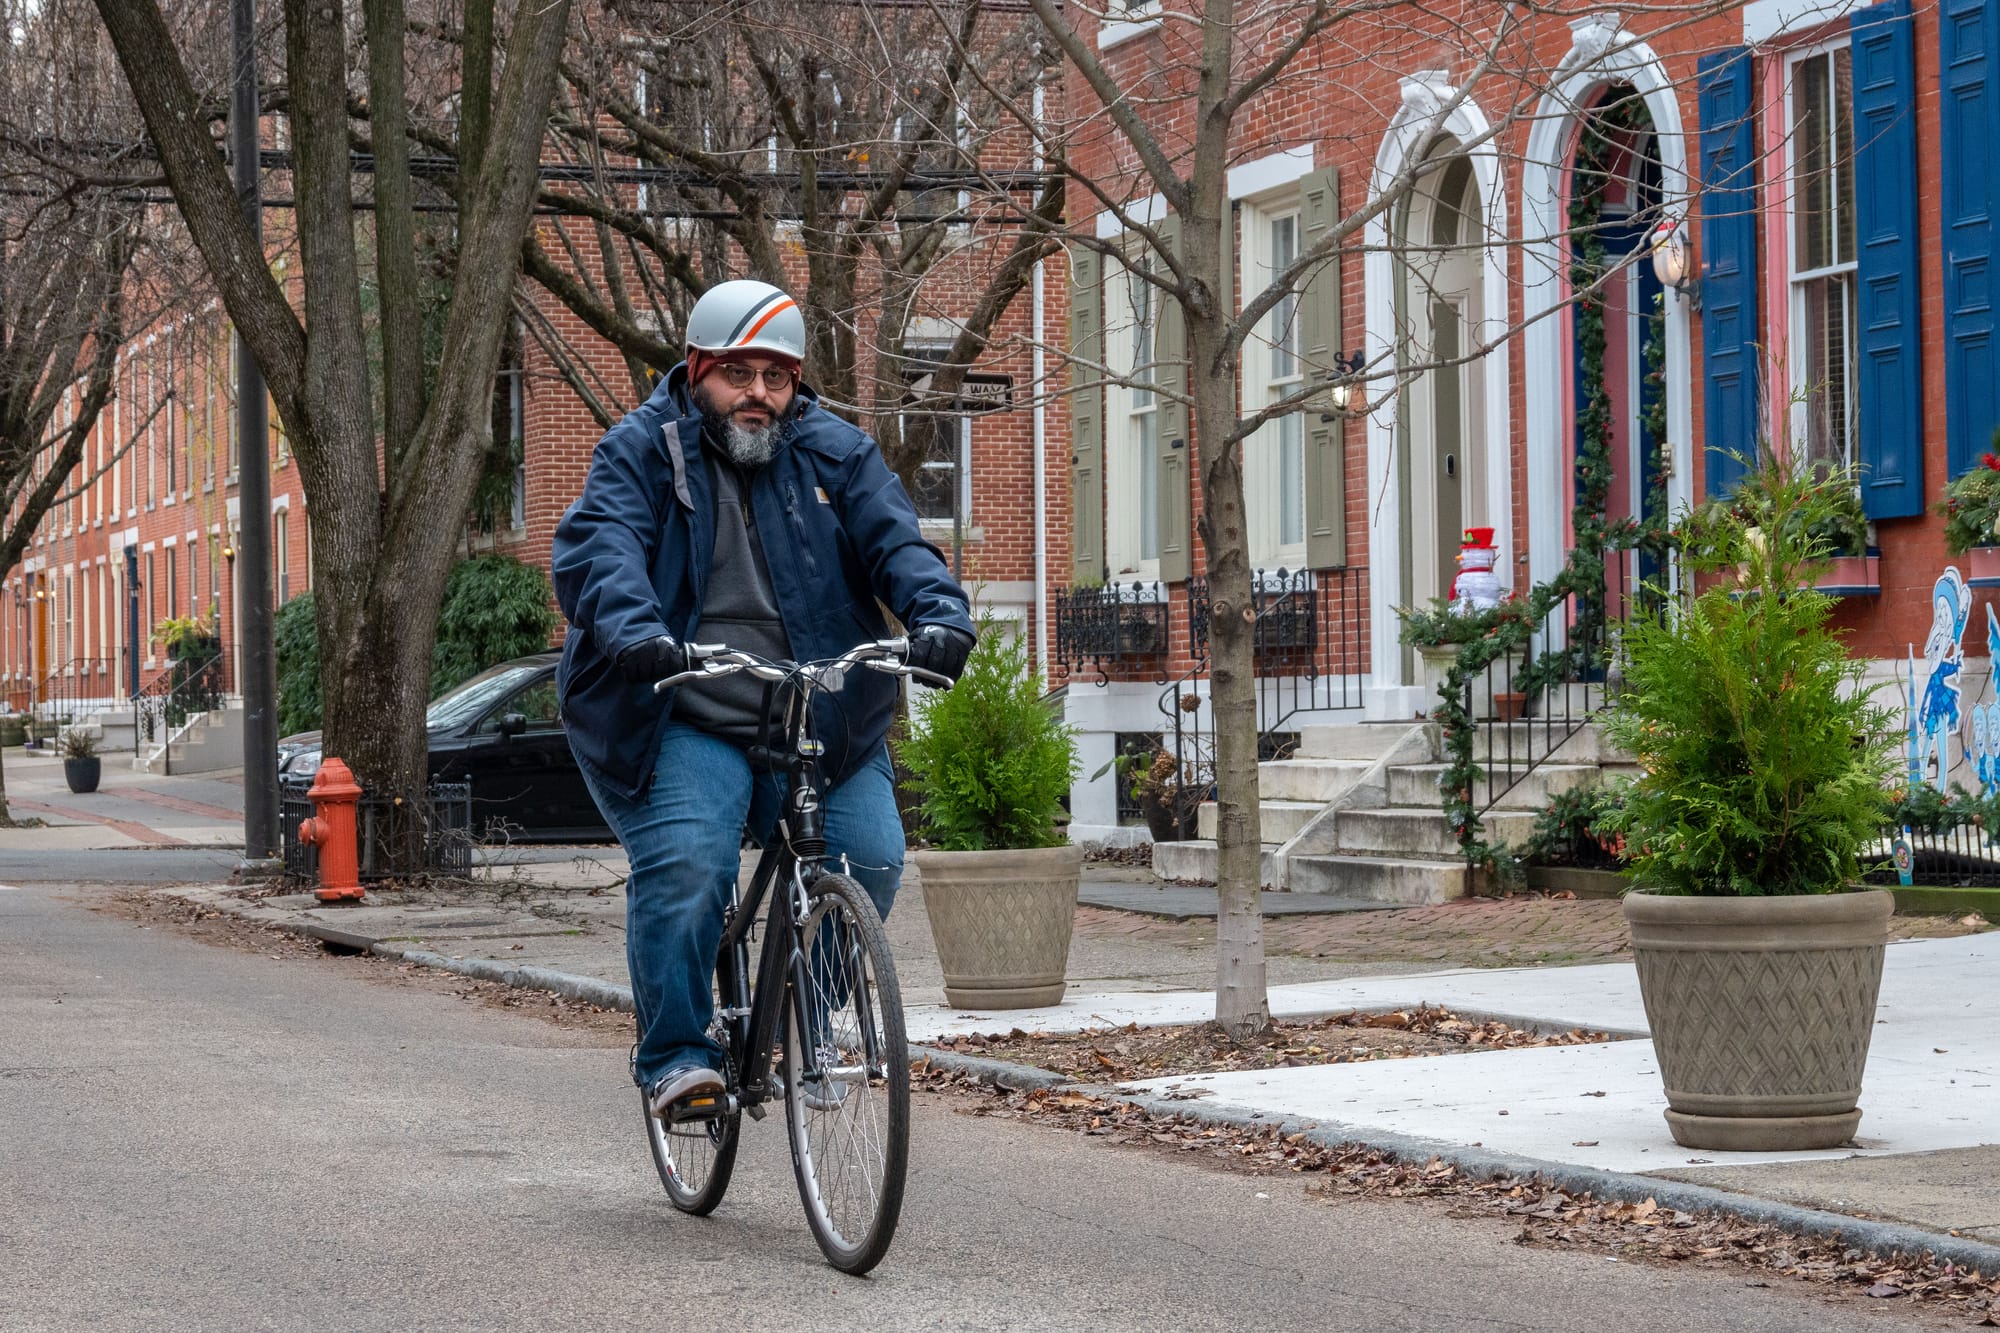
point(589, 990)
point(1885, 1239)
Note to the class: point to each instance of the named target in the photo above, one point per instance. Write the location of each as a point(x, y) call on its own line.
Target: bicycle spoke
point(849, 1100)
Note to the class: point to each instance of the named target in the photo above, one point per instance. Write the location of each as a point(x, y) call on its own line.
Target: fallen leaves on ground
point(1122, 1055)
point(1546, 1214)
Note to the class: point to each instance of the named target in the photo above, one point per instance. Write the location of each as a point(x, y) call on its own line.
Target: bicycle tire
point(695, 1160)
point(847, 1084)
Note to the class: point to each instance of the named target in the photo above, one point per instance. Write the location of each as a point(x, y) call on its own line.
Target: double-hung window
point(1820, 106)
point(1132, 412)
point(943, 487)
point(1274, 465)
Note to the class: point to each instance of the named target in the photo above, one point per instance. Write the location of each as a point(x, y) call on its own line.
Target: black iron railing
point(1526, 706)
point(1192, 744)
point(1110, 625)
point(164, 706)
point(380, 822)
point(67, 692)
point(1309, 644)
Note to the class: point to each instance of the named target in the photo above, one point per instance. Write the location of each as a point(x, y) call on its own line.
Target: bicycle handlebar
point(718, 660)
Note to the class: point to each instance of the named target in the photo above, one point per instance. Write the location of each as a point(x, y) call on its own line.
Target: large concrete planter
point(1002, 923)
point(1486, 703)
point(1761, 1011)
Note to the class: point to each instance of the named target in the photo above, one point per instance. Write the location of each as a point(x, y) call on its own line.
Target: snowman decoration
point(1476, 587)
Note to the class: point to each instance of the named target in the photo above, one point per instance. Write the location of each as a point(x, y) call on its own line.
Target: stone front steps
point(1417, 784)
point(1356, 813)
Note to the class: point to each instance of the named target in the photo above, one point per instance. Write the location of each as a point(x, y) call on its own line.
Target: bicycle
point(836, 1019)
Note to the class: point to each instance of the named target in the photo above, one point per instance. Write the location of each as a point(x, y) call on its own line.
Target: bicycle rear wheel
point(847, 1078)
point(695, 1158)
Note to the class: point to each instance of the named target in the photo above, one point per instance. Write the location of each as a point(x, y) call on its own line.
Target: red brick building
point(1824, 165)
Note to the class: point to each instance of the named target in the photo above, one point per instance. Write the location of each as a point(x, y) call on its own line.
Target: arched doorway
point(1458, 191)
point(1605, 66)
point(1618, 327)
point(1442, 458)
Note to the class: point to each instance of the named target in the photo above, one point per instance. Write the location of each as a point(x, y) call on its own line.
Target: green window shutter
point(1320, 348)
point(1086, 417)
point(1173, 438)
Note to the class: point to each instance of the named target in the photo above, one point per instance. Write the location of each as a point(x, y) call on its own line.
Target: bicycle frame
point(751, 1015)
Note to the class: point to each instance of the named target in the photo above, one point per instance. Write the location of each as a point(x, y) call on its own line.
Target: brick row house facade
point(1822, 161)
point(148, 533)
point(1823, 168)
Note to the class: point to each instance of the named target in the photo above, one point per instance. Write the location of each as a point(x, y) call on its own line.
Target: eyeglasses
point(739, 376)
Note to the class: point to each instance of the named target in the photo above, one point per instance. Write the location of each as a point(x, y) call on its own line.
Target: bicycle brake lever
point(706, 671)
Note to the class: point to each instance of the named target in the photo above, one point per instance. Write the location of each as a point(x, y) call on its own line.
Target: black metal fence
point(1527, 705)
point(1963, 856)
point(380, 823)
point(1309, 643)
point(1111, 625)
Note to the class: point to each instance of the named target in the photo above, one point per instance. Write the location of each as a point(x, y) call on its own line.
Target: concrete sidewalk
point(128, 809)
point(1931, 1091)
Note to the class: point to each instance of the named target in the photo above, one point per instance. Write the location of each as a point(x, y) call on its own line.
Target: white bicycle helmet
point(746, 316)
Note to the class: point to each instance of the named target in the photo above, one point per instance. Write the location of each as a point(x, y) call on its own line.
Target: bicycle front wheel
point(696, 1157)
point(847, 1078)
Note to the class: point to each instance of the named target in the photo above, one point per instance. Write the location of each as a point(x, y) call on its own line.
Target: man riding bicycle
point(733, 508)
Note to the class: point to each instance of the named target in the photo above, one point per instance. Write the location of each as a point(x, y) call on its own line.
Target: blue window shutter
point(1966, 37)
point(1729, 266)
point(1890, 392)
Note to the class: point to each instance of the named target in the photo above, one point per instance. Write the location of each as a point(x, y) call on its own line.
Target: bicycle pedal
point(700, 1106)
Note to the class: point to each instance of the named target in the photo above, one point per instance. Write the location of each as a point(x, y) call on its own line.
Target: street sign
point(977, 394)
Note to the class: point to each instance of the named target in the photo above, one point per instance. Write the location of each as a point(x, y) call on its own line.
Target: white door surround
point(1431, 109)
point(1601, 54)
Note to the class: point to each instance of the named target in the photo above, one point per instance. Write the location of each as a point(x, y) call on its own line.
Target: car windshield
point(461, 704)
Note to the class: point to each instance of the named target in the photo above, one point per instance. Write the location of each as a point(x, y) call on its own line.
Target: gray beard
point(749, 448)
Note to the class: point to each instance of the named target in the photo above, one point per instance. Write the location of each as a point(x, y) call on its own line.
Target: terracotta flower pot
point(1761, 1011)
point(1982, 567)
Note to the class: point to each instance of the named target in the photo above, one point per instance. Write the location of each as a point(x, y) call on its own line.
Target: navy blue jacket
point(631, 561)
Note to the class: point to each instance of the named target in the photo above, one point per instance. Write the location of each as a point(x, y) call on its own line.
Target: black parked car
point(499, 731)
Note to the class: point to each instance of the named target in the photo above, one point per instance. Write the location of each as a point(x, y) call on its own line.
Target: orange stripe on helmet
point(769, 315)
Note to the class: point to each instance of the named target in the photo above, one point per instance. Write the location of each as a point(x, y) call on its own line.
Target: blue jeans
point(683, 838)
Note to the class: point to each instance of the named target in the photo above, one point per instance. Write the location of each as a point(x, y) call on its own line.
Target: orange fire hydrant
point(331, 829)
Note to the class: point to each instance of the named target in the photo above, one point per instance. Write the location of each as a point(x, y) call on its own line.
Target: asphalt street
point(197, 1137)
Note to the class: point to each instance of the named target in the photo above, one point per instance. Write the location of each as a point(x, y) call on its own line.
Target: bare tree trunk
point(385, 521)
point(1241, 1004)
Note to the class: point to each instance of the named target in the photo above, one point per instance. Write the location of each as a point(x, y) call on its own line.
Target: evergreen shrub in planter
point(1764, 762)
point(990, 762)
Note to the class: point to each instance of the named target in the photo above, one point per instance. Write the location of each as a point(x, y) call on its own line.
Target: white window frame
point(281, 561)
point(935, 526)
point(1139, 18)
point(1131, 456)
point(1797, 341)
point(1263, 464)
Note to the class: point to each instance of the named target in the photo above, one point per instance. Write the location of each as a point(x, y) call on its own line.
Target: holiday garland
point(1593, 533)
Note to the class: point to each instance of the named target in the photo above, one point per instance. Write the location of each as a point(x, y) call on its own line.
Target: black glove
point(940, 649)
point(652, 660)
